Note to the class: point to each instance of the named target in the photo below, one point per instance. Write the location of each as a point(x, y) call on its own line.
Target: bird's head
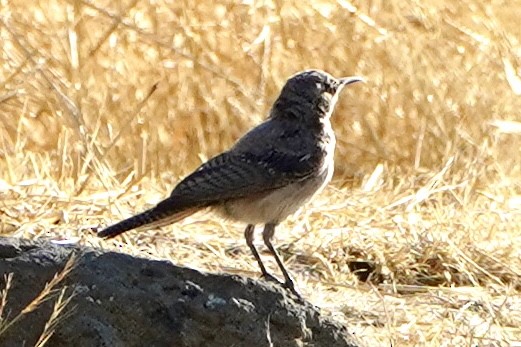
point(310, 93)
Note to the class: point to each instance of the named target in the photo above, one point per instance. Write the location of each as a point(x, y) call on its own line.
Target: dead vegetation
point(104, 105)
point(62, 297)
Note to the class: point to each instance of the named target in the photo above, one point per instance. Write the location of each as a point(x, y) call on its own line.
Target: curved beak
point(344, 81)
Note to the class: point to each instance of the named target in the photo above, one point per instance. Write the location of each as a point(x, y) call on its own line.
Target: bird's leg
point(267, 234)
point(248, 234)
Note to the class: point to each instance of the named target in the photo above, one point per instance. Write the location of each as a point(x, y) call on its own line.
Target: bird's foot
point(289, 285)
point(270, 278)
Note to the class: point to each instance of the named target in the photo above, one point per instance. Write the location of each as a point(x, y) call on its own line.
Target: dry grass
point(104, 105)
point(49, 292)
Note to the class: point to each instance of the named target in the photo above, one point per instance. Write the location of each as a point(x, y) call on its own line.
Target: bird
point(267, 175)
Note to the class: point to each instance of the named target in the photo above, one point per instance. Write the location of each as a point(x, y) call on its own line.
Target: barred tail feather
point(153, 218)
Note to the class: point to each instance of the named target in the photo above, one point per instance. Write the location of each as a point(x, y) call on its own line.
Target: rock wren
point(268, 174)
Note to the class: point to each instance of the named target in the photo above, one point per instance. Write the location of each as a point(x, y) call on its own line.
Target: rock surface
point(120, 300)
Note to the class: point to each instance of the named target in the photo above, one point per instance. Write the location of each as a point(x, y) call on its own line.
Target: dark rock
point(120, 300)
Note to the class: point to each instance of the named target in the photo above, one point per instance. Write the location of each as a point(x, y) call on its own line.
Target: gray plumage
point(268, 174)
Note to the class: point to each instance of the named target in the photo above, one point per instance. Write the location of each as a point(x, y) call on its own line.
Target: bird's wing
point(234, 175)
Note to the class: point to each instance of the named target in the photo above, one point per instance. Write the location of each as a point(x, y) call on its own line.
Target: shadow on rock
point(120, 300)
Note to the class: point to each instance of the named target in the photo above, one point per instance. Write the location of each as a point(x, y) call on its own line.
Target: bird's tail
point(154, 218)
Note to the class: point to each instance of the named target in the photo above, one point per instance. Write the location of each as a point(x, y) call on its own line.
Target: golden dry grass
point(49, 291)
point(105, 105)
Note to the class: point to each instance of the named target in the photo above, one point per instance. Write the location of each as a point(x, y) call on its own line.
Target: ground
point(104, 106)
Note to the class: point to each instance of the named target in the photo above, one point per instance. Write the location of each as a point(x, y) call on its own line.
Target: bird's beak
point(344, 81)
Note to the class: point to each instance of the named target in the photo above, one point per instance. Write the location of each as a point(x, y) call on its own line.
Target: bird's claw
point(288, 285)
point(270, 278)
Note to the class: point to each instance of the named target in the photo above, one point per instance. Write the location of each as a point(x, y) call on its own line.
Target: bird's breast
point(276, 205)
point(327, 143)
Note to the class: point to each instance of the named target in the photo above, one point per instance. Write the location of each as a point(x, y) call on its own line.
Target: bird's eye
point(331, 88)
point(319, 85)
